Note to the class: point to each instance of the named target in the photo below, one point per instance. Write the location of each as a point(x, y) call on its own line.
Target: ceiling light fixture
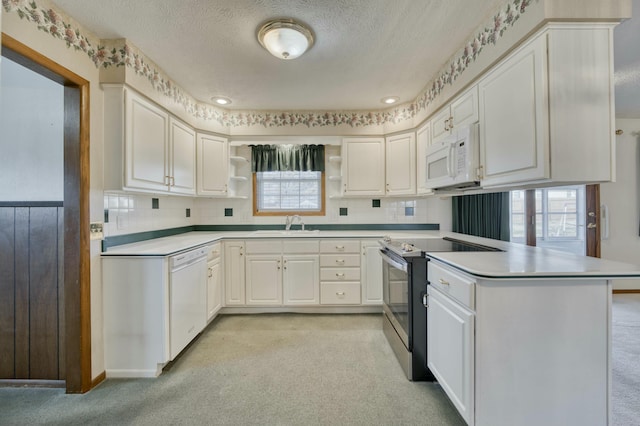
point(285, 38)
point(220, 100)
point(390, 100)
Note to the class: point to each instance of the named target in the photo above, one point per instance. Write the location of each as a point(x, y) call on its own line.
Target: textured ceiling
point(364, 50)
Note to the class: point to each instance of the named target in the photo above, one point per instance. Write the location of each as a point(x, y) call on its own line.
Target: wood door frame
point(77, 251)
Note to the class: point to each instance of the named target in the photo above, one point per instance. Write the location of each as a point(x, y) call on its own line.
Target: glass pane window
point(289, 191)
point(560, 217)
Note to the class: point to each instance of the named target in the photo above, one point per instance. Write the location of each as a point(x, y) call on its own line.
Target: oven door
point(395, 294)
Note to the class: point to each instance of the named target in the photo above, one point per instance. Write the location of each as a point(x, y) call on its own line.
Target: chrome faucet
point(290, 220)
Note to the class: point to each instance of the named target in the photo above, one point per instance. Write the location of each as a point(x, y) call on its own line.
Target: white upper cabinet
point(463, 110)
point(546, 112)
point(363, 166)
point(145, 148)
point(423, 140)
point(146, 143)
point(213, 165)
point(401, 164)
point(182, 161)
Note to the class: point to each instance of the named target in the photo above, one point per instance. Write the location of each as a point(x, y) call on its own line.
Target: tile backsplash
point(129, 213)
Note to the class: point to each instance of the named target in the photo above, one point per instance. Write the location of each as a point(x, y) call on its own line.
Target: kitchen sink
point(284, 232)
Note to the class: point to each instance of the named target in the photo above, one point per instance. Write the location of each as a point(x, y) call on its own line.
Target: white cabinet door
point(440, 125)
point(514, 140)
point(264, 280)
point(371, 273)
point(363, 166)
point(464, 109)
point(234, 273)
point(301, 279)
point(461, 111)
point(182, 158)
point(423, 140)
point(146, 144)
point(214, 289)
point(401, 164)
point(213, 165)
point(450, 350)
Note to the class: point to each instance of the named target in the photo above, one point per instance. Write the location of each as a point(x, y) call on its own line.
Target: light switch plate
point(96, 230)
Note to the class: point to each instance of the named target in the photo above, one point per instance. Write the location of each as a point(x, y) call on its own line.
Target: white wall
point(31, 135)
point(623, 201)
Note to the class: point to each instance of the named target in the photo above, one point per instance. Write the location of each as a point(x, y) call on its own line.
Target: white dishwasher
point(188, 297)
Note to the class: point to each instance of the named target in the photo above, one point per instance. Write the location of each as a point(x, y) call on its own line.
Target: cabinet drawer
point(347, 293)
point(459, 286)
point(264, 247)
point(340, 260)
point(339, 274)
point(214, 251)
point(300, 246)
point(340, 246)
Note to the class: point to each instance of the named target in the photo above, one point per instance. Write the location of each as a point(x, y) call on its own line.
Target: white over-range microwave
point(454, 162)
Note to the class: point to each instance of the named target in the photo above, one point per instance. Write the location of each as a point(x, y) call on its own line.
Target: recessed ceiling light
point(390, 100)
point(285, 38)
point(220, 100)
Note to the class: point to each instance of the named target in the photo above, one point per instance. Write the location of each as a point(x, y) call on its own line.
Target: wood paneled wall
point(31, 291)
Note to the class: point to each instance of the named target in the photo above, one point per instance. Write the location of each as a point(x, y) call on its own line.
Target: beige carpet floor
point(280, 369)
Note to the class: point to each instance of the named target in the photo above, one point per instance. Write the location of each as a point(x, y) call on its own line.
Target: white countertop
point(516, 261)
point(167, 246)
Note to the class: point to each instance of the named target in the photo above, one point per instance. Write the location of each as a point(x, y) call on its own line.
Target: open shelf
point(238, 159)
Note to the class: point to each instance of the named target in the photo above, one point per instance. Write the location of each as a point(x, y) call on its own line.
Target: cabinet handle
point(446, 124)
point(340, 248)
point(339, 293)
point(173, 181)
point(339, 275)
point(340, 261)
point(210, 272)
point(167, 180)
point(425, 300)
point(450, 123)
point(443, 282)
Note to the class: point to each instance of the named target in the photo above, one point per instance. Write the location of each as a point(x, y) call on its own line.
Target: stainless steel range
point(404, 285)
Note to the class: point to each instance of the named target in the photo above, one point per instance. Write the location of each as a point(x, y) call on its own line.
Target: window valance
point(271, 158)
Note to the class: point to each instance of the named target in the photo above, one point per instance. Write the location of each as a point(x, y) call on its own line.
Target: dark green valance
point(285, 158)
point(483, 215)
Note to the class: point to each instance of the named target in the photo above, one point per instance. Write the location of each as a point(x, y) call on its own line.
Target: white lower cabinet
point(301, 279)
point(214, 282)
point(263, 279)
point(302, 272)
point(371, 273)
point(529, 352)
point(450, 349)
point(234, 294)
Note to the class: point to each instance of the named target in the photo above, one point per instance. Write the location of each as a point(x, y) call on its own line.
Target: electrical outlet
point(96, 230)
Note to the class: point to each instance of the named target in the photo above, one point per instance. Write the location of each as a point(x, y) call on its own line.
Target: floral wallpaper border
point(115, 53)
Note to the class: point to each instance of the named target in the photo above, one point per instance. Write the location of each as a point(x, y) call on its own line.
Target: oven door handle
point(393, 262)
